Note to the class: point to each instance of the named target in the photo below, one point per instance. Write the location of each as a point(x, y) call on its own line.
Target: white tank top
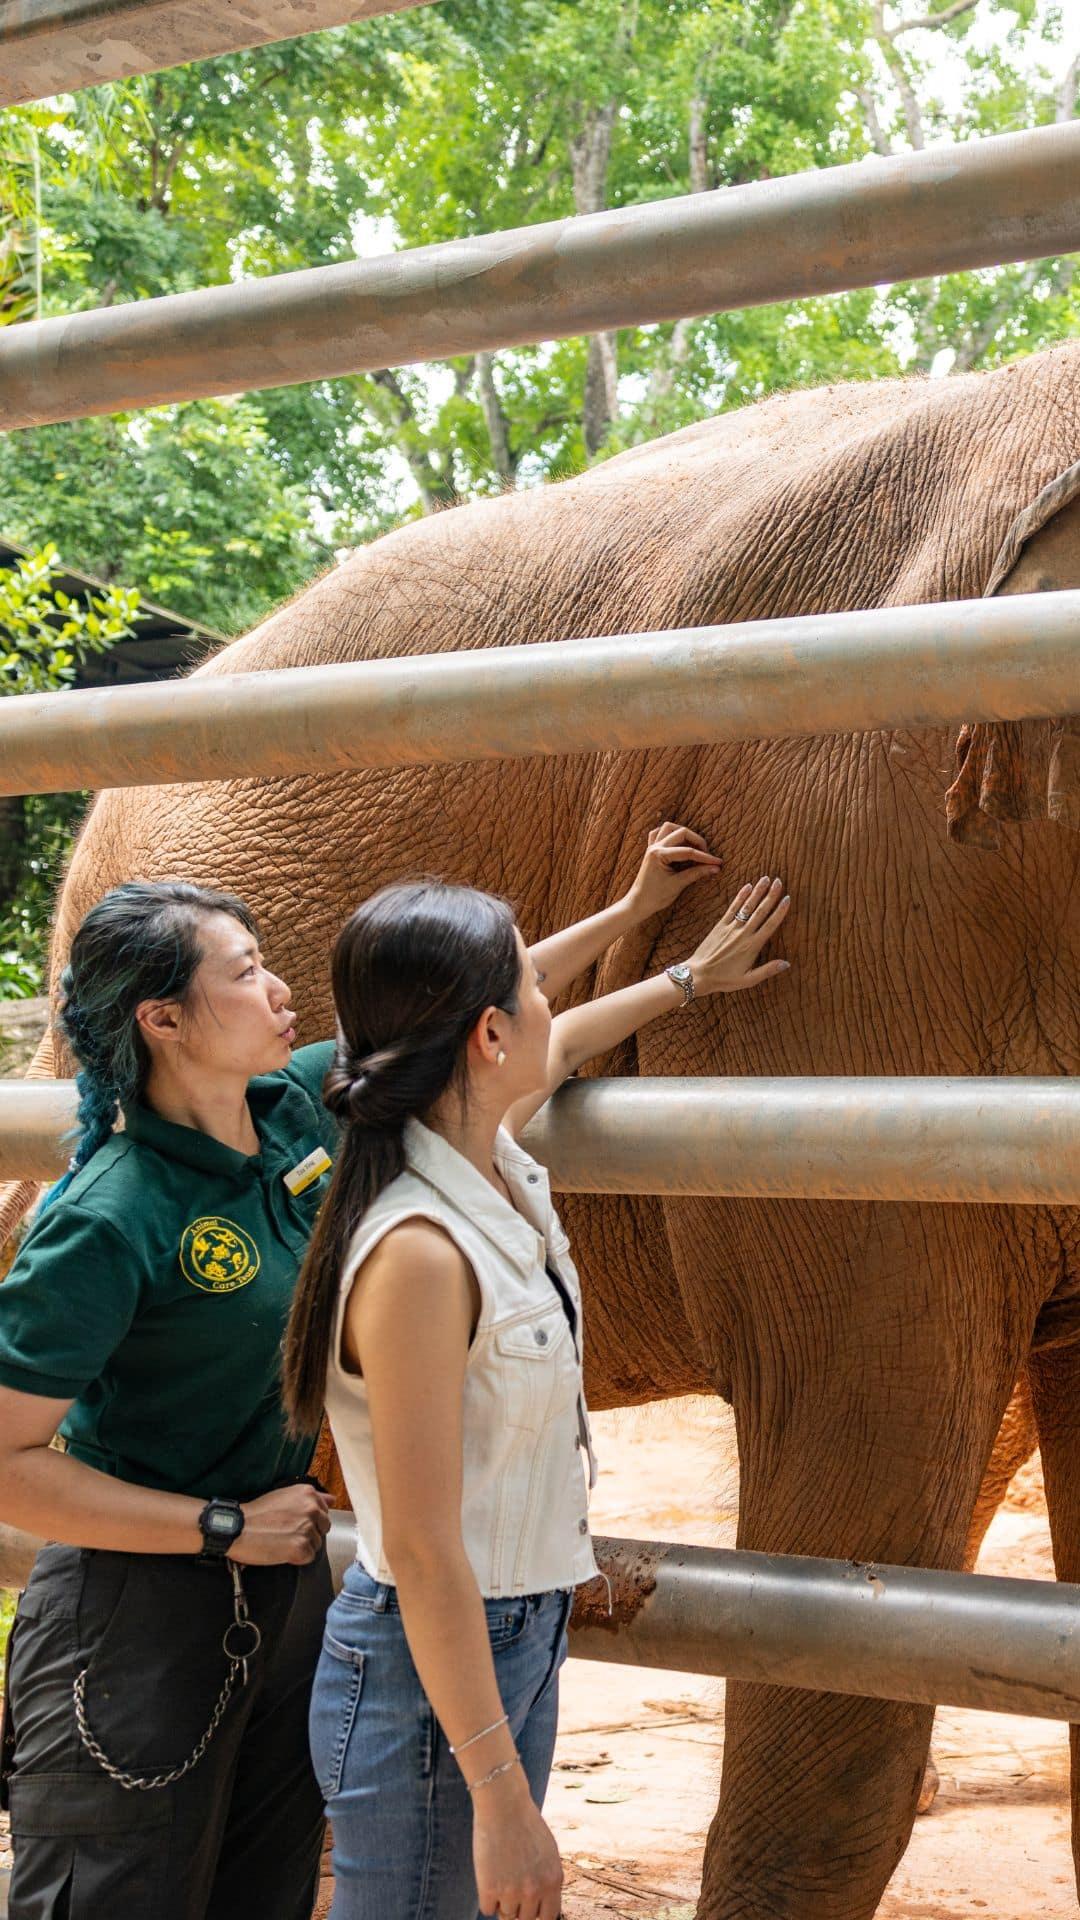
point(528, 1462)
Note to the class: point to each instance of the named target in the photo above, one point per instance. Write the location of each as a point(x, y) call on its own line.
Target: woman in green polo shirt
point(158, 1697)
point(159, 1751)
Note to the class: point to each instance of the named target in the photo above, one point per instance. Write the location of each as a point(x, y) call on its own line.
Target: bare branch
point(394, 410)
point(984, 336)
point(1065, 104)
point(601, 391)
point(928, 20)
point(662, 378)
point(504, 461)
point(894, 60)
point(698, 142)
point(874, 128)
point(590, 152)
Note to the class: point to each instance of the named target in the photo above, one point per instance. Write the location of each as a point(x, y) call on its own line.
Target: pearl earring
point(500, 1058)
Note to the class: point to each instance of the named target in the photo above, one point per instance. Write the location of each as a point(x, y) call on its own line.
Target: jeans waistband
point(381, 1596)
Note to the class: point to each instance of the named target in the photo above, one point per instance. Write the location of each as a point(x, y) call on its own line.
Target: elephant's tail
point(18, 1196)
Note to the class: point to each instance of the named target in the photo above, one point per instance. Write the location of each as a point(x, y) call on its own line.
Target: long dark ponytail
point(140, 942)
point(412, 971)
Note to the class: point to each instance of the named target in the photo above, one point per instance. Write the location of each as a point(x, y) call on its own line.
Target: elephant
point(869, 1350)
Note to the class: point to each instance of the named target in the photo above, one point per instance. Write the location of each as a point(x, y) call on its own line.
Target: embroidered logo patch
point(217, 1255)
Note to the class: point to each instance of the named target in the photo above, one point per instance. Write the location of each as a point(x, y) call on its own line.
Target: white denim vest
point(528, 1462)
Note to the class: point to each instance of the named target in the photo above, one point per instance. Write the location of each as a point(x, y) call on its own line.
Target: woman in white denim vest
point(439, 1315)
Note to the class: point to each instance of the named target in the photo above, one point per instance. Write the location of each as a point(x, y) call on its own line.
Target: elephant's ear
point(1024, 769)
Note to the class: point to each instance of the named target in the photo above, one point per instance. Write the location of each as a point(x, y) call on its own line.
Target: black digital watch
point(220, 1523)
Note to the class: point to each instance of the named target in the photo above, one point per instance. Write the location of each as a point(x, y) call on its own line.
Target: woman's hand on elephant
point(285, 1527)
point(675, 858)
point(725, 960)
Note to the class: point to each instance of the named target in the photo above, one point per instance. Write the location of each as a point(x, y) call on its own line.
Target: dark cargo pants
point(241, 1833)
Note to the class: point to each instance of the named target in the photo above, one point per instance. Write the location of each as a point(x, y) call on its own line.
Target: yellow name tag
point(307, 1171)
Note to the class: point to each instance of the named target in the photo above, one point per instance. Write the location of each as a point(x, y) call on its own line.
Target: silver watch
point(683, 977)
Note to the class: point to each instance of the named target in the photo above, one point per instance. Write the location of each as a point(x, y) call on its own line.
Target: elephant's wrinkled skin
point(869, 1350)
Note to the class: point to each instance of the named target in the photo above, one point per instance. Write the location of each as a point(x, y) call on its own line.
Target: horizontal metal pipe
point(33, 1116)
point(58, 46)
point(837, 1626)
point(994, 659)
point(1012, 1141)
point(833, 1626)
point(1012, 197)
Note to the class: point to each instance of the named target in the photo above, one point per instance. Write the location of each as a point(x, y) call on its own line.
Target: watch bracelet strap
point(213, 1548)
point(687, 985)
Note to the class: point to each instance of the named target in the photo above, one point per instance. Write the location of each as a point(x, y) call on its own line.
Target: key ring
point(241, 1623)
point(242, 1654)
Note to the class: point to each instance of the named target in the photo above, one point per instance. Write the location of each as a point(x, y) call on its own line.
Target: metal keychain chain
point(241, 1623)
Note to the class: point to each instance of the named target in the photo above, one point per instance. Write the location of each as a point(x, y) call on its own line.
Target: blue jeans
point(401, 1813)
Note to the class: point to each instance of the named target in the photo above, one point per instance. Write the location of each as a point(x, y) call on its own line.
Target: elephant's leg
point(866, 1418)
point(1016, 1442)
point(1055, 1385)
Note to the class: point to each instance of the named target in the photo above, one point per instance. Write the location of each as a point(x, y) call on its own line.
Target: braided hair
point(140, 942)
point(412, 972)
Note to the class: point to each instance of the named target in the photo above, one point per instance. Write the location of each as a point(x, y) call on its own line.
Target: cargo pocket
point(85, 1848)
point(334, 1700)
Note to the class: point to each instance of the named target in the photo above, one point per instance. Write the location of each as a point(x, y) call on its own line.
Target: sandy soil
point(638, 1759)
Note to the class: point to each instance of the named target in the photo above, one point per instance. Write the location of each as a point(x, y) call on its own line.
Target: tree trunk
point(503, 460)
point(590, 151)
point(12, 844)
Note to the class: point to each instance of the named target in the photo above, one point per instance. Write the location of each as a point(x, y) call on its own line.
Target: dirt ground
point(639, 1754)
point(638, 1759)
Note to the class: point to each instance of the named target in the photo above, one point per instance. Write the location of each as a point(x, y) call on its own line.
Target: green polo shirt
point(154, 1293)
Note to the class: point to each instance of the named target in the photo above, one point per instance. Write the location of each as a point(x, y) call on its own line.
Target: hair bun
point(369, 1091)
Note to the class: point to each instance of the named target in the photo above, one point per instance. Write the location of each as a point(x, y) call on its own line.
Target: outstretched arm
point(725, 962)
point(675, 858)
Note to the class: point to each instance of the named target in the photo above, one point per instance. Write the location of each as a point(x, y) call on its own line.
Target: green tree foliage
point(462, 118)
point(190, 502)
point(45, 634)
point(457, 119)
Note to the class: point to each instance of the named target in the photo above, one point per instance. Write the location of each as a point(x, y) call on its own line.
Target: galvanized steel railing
point(1012, 197)
point(994, 659)
point(58, 46)
point(833, 1626)
point(896, 1633)
point(1009, 1141)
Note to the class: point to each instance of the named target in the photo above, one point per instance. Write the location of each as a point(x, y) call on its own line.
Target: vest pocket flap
point(534, 1339)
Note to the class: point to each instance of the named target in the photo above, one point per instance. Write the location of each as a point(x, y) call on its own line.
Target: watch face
point(220, 1521)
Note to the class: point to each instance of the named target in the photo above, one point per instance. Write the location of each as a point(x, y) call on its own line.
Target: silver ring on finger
point(742, 916)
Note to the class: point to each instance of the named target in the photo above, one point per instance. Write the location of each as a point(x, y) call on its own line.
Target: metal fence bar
point(58, 46)
point(838, 1626)
point(833, 1626)
point(994, 659)
point(33, 1116)
point(1011, 197)
point(1012, 1141)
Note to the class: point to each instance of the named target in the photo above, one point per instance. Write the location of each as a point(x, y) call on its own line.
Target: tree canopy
point(461, 118)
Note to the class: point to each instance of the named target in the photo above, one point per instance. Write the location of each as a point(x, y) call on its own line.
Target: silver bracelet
point(482, 1735)
point(495, 1772)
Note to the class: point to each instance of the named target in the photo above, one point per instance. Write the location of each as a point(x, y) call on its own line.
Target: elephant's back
point(845, 497)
